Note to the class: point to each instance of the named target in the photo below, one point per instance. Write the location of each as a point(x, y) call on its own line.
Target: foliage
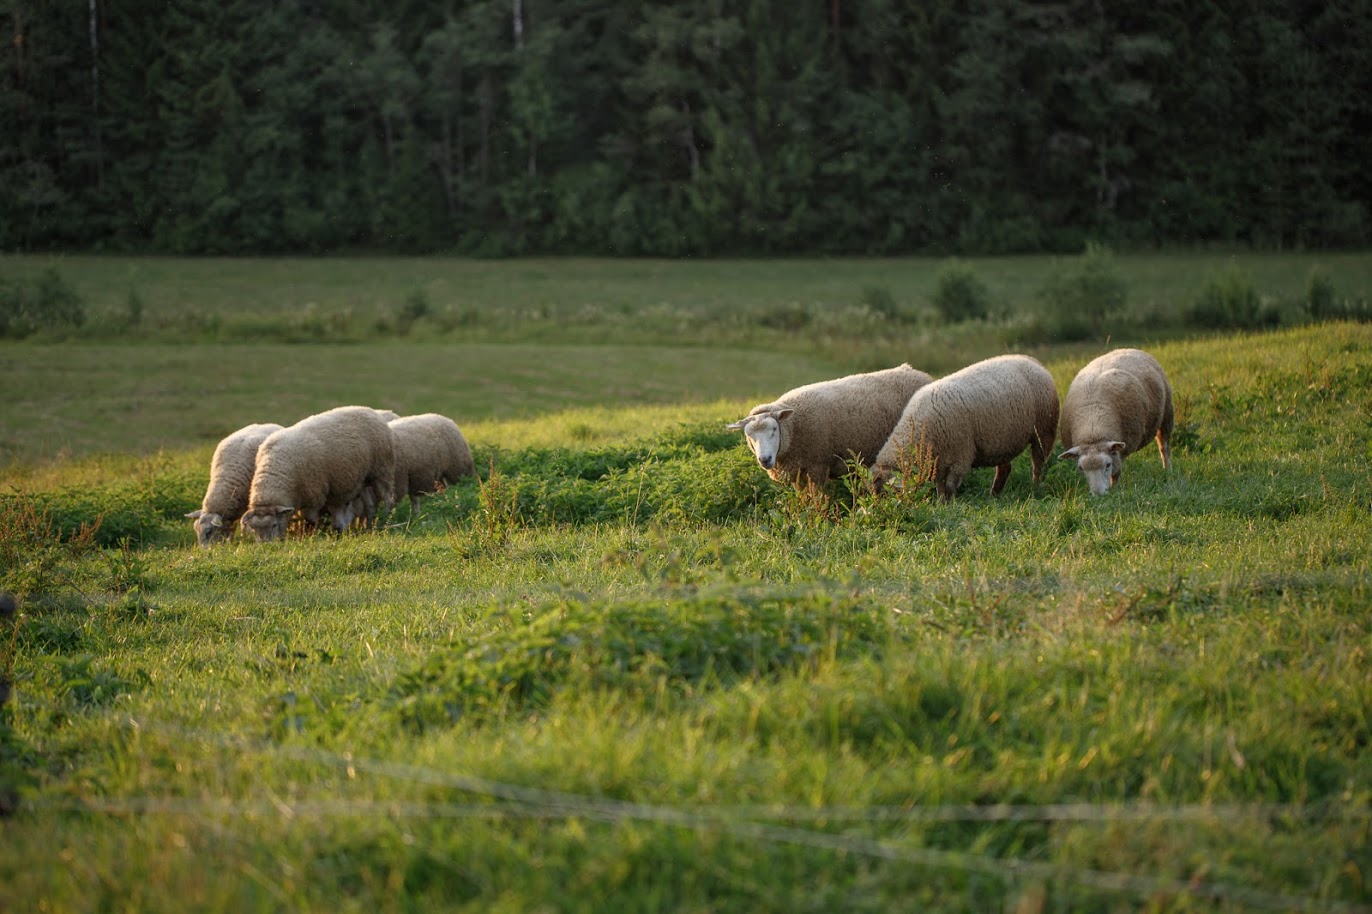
point(38, 561)
point(1323, 303)
point(959, 295)
point(1077, 299)
point(765, 128)
point(1229, 301)
point(48, 305)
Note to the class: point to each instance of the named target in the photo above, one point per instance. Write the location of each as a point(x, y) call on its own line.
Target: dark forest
point(758, 127)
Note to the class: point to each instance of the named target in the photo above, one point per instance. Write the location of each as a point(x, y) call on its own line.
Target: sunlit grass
point(508, 703)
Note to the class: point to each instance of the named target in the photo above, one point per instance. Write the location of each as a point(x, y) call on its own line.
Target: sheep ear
point(216, 520)
point(735, 426)
point(1115, 446)
point(195, 514)
point(284, 509)
point(783, 414)
point(1070, 454)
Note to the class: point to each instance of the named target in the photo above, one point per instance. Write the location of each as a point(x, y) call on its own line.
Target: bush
point(48, 304)
point(880, 301)
point(791, 316)
point(1076, 299)
point(415, 308)
point(1323, 303)
point(959, 295)
point(1320, 299)
point(1229, 301)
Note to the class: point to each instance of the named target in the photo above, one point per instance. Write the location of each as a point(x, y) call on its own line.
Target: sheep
point(430, 452)
point(1114, 406)
point(364, 505)
point(983, 415)
point(231, 472)
point(809, 433)
point(322, 463)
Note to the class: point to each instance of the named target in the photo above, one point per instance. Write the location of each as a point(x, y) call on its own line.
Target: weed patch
point(680, 643)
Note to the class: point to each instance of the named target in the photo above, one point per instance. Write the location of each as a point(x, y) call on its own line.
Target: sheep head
point(767, 433)
point(268, 522)
point(1100, 463)
point(209, 527)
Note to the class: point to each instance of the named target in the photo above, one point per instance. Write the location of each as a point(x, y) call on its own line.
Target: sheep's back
point(325, 459)
point(429, 448)
point(856, 413)
point(1120, 396)
point(993, 409)
point(231, 470)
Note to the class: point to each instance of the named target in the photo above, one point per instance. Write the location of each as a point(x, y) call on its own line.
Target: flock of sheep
point(900, 420)
point(352, 461)
point(345, 463)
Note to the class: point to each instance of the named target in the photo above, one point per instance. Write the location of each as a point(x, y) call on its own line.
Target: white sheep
point(984, 415)
point(1114, 406)
point(231, 472)
point(321, 464)
point(430, 452)
point(810, 433)
point(364, 505)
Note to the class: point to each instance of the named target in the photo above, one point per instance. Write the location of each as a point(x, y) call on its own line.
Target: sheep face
point(209, 527)
point(1099, 463)
point(763, 432)
point(268, 523)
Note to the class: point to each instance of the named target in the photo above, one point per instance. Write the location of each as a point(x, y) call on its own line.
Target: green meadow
point(622, 670)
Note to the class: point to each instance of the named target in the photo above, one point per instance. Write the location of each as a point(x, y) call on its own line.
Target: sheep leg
point(1169, 418)
point(949, 484)
point(1038, 457)
point(1002, 476)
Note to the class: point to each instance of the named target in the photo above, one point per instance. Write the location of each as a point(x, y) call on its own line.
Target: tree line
point(683, 127)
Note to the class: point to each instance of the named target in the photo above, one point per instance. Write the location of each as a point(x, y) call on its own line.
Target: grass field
point(623, 671)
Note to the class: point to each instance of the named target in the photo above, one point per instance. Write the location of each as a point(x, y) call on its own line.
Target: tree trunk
point(95, 94)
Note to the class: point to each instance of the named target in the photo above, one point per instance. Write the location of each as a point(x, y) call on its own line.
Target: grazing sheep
point(1114, 406)
point(231, 472)
point(982, 416)
point(809, 433)
point(321, 464)
point(430, 452)
point(364, 505)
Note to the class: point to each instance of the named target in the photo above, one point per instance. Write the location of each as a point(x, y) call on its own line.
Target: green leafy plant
point(960, 295)
point(1230, 301)
point(48, 304)
point(1076, 298)
point(880, 301)
point(37, 564)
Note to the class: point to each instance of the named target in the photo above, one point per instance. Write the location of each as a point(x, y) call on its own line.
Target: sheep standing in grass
point(430, 452)
point(321, 464)
point(231, 472)
point(809, 433)
point(1114, 406)
point(364, 506)
point(982, 416)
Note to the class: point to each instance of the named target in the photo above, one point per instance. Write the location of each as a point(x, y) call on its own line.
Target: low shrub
point(1229, 301)
point(880, 301)
point(959, 295)
point(49, 304)
point(1076, 299)
point(1323, 303)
